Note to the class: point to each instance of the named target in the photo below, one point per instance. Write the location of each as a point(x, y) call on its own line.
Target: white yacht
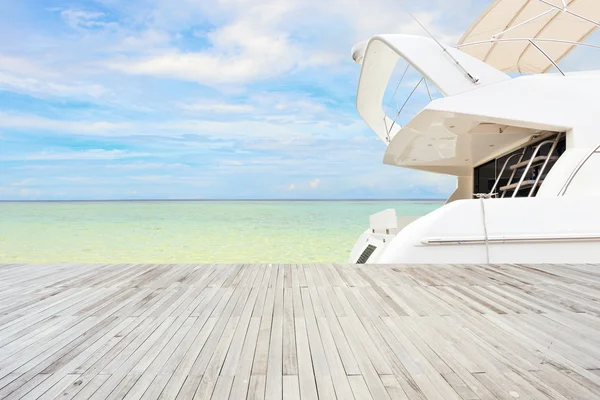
point(525, 150)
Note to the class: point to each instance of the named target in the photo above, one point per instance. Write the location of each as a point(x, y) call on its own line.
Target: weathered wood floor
point(299, 331)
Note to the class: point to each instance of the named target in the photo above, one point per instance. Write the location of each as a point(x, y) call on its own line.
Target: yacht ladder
point(525, 165)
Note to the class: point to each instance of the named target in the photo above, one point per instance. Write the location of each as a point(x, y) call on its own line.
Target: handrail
point(502, 172)
point(509, 239)
point(533, 156)
point(547, 56)
point(404, 105)
point(564, 189)
point(541, 172)
point(398, 86)
point(512, 175)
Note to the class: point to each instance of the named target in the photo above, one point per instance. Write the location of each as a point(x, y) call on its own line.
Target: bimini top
point(507, 35)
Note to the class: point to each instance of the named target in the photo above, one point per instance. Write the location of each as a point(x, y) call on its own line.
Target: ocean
point(189, 231)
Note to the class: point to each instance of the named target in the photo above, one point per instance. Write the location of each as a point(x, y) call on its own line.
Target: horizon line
point(144, 200)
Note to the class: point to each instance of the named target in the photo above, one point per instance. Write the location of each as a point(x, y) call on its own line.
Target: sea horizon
point(158, 200)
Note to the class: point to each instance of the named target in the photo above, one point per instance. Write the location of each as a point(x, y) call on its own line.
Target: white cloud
point(249, 41)
point(148, 40)
point(234, 163)
point(248, 47)
point(81, 19)
point(257, 40)
point(30, 193)
point(290, 128)
point(94, 154)
point(147, 166)
point(216, 107)
point(275, 108)
point(24, 76)
point(22, 66)
point(29, 121)
point(212, 68)
point(314, 184)
point(292, 187)
point(173, 180)
point(36, 86)
point(24, 182)
point(79, 179)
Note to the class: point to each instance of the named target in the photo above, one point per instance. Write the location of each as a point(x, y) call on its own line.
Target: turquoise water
point(189, 231)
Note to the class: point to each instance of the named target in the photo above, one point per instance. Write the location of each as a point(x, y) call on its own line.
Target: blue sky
point(200, 99)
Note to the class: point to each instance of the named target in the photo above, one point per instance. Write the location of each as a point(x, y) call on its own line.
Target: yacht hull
point(526, 230)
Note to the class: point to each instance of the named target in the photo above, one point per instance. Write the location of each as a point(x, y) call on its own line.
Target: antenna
point(458, 64)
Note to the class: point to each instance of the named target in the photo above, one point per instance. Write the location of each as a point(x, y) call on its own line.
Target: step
point(536, 161)
point(525, 184)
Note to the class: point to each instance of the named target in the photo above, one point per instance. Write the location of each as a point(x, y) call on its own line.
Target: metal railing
point(493, 191)
point(404, 104)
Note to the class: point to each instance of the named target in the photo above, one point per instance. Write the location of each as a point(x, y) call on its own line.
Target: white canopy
point(530, 19)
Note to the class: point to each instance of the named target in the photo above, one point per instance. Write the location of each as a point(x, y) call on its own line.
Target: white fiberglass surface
point(585, 182)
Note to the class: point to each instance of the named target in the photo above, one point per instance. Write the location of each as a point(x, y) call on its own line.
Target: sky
point(198, 99)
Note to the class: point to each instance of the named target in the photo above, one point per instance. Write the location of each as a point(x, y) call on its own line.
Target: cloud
point(22, 75)
point(81, 19)
point(292, 187)
point(30, 193)
point(24, 182)
point(249, 47)
point(213, 68)
point(36, 86)
point(258, 40)
point(173, 180)
point(77, 179)
point(147, 166)
point(147, 40)
point(28, 121)
point(290, 127)
point(216, 107)
point(314, 184)
point(94, 154)
point(271, 108)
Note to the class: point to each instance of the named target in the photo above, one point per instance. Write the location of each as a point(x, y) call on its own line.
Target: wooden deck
point(299, 331)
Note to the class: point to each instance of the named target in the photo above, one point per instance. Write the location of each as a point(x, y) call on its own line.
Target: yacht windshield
point(407, 93)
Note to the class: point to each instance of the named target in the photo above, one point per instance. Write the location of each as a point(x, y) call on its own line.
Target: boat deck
point(319, 331)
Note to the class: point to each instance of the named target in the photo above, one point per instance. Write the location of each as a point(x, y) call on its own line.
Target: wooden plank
point(359, 387)
point(291, 387)
point(156, 387)
point(242, 375)
point(222, 388)
point(321, 369)
point(306, 375)
point(149, 331)
point(290, 355)
point(257, 387)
